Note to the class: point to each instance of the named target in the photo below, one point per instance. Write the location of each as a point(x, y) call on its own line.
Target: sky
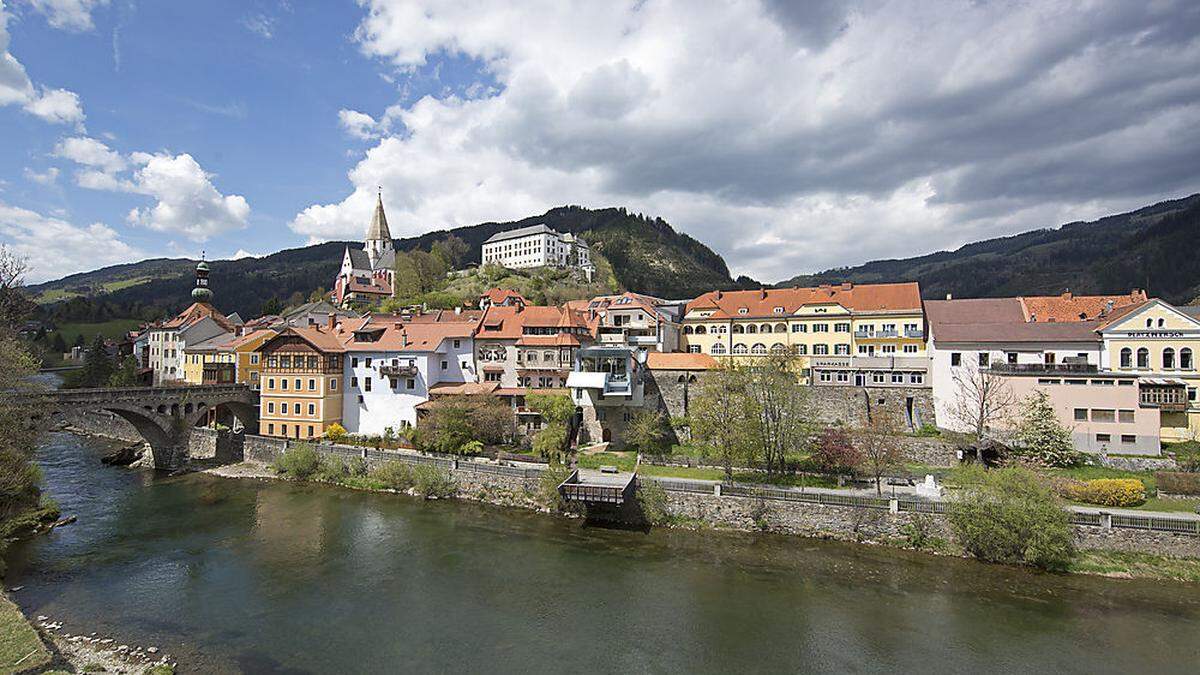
point(791, 137)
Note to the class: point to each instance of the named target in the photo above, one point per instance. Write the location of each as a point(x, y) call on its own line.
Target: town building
point(529, 346)
point(301, 394)
point(842, 320)
point(210, 361)
point(635, 320)
point(538, 246)
point(248, 358)
point(368, 274)
point(199, 322)
point(501, 297)
point(391, 367)
point(315, 313)
point(607, 384)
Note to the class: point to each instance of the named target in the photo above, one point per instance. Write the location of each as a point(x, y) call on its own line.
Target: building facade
point(537, 246)
point(636, 320)
point(529, 346)
point(368, 274)
point(607, 384)
point(301, 393)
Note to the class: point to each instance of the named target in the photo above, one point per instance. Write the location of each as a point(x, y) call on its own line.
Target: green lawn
point(1120, 563)
point(20, 647)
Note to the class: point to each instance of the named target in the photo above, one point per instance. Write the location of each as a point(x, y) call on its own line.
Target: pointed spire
point(379, 227)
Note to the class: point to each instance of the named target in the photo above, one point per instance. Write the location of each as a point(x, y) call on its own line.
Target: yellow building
point(300, 382)
point(1159, 344)
point(248, 359)
point(841, 320)
point(214, 355)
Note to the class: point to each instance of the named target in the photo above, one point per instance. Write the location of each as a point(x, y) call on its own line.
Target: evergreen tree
point(58, 344)
point(126, 375)
point(97, 367)
point(1042, 437)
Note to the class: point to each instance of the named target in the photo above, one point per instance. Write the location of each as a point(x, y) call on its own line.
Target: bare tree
point(880, 445)
point(781, 413)
point(719, 417)
point(982, 399)
point(14, 304)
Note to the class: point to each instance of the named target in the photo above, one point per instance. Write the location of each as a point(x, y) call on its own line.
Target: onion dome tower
point(201, 292)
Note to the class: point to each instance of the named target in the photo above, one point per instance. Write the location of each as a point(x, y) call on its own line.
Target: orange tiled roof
point(196, 312)
point(507, 322)
point(499, 295)
point(408, 337)
point(1069, 307)
point(762, 303)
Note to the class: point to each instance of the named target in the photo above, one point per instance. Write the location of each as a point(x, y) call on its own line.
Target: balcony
point(917, 363)
point(398, 371)
point(1045, 368)
point(1166, 395)
point(915, 333)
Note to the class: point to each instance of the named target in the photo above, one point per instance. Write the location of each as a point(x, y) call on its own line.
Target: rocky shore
point(90, 652)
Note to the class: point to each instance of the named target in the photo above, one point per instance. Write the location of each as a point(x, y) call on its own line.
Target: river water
point(262, 577)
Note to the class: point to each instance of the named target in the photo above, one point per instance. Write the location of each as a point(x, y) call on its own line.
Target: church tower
point(378, 244)
point(201, 293)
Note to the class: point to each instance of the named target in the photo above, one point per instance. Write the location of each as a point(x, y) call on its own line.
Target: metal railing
point(1156, 523)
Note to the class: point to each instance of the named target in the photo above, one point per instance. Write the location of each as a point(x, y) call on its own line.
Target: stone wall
point(931, 451)
point(1137, 463)
point(221, 446)
point(1137, 541)
point(852, 406)
point(263, 449)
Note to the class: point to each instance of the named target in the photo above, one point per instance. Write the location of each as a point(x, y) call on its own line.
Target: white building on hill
point(537, 246)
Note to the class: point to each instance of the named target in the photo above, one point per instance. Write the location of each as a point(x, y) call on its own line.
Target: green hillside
point(1152, 248)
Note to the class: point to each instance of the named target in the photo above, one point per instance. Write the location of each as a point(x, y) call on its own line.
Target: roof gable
point(1148, 316)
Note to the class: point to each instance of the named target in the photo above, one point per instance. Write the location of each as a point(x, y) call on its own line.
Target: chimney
point(1108, 308)
point(764, 293)
point(718, 295)
point(457, 310)
point(847, 285)
point(1066, 294)
point(949, 296)
point(330, 321)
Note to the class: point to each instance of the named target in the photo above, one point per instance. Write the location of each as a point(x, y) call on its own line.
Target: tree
point(551, 442)
point(648, 432)
point(983, 401)
point(455, 421)
point(452, 252)
point(271, 306)
point(880, 445)
point(780, 411)
point(1010, 516)
point(1042, 437)
point(97, 366)
point(719, 417)
point(15, 304)
point(834, 451)
point(126, 375)
point(57, 344)
point(20, 398)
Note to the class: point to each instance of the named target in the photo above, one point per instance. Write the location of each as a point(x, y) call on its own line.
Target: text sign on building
point(1155, 334)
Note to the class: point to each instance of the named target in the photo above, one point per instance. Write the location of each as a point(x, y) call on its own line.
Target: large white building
point(537, 246)
point(391, 366)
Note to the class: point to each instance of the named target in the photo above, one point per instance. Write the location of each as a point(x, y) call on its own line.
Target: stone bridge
point(163, 416)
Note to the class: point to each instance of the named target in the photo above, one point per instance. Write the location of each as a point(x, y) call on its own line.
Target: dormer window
point(743, 310)
point(778, 310)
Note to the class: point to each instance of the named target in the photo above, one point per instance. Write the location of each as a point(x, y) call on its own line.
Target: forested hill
point(646, 254)
point(1153, 248)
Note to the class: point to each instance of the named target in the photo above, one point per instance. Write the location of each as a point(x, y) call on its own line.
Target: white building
point(390, 367)
point(200, 321)
point(636, 320)
point(537, 246)
point(368, 274)
point(608, 386)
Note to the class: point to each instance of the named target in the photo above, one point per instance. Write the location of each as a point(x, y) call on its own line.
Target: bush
point(1178, 482)
point(394, 475)
point(547, 491)
point(834, 452)
point(1107, 491)
point(335, 433)
point(333, 469)
point(928, 431)
point(357, 467)
point(1187, 455)
point(1010, 516)
point(301, 462)
point(652, 499)
point(431, 482)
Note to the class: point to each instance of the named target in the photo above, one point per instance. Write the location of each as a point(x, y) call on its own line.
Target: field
point(20, 647)
point(56, 294)
point(112, 329)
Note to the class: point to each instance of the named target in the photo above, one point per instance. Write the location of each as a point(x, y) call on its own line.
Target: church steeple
point(379, 227)
point(378, 244)
point(201, 293)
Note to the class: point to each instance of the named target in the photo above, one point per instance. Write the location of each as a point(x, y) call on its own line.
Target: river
point(263, 577)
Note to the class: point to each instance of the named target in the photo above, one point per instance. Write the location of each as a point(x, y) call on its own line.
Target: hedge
point(1178, 482)
point(1107, 492)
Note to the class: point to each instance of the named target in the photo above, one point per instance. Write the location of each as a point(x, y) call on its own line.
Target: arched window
point(1185, 358)
point(751, 328)
point(802, 349)
point(780, 328)
point(737, 328)
point(688, 330)
point(717, 348)
point(740, 349)
point(778, 348)
point(759, 349)
point(1168, 359)
point(1127, 358)
point(1160, 323)
point(1149, 323)
point(701, 330)
point(1143, 358)
point(765, 328)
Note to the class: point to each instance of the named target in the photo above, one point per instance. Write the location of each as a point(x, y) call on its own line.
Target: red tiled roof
point(762, 303)
point(197, 311)
point(507, 322)
point(680, 361)
point(1068, 307)
point(498, 295)
point(399, 336)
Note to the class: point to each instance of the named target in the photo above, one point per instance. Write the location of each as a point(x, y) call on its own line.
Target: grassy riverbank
point(20, 646)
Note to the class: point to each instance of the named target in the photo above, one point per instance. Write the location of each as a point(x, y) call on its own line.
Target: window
point(491, 376)
point(353, 361)
point(1192, 394)
point(752, 328)
point(740, 349)
point(955, 359)
point(743, 310)
point(270, 383)
point(367, 383)
point(758, 349)
point(333, 384)
point(296, 408)
point(1143, 358)
point(841, 349)
point(1168, 359)
point(1103, 438)
point(777, 310)
point(843, 377)
point(1011, 357)
point(1104, 415)
point(298, 384)
point(1185, 358)
point(826, 376)
point(1160, 323)
point(889, 349)
point(271, 407)
point(799, 328)
point(1128, 439)
point(910, 349)
point(368, 362)
point(445, 365)
point(821, 350)
point(283, 383)
point(1125, 416)
point(1081, 414)
point(312, 384)
point(1127, 358)
point(866, 349)
point(984, 358)
point(820, 328)
point(693, 349)
point(353, 381)
point(917, 378)
point(801, 350)
point(457, 343)
point(270, 428)
point(878, 378)
point(841, 328)
point(410, 383)
point(717, 348)
point(897, 378)
point(310, 431)
point(312, 409)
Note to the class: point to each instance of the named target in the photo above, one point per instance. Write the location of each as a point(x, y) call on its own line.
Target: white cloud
point(790, 136)
point(56, 106)
point(47, 177)
point(186, 203)
point(260, 24)
point(56, 248)
point(72, 15)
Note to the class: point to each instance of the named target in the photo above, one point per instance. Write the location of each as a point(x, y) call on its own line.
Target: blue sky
point(790, 137)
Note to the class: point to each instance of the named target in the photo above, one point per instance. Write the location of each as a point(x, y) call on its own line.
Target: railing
point(679, 485)
point(1048, 368)
point(1090, 519)
point(914, 332)
point(1156, 523)
point(920, 506)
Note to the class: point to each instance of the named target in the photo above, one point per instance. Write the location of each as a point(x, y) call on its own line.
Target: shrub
point(547, 490)
point(652, 499)
point(1187, 455)
point(432, 482)
point(333, 469)
point(357, 467)
point(301, 462)
point(335, 433)
point(1011, 516)
point(1107, 491)
point(1042, 438)
point(834, 452)
point(928, 431)
point(393, 475)
point(471, 448)
point(1178, 482)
